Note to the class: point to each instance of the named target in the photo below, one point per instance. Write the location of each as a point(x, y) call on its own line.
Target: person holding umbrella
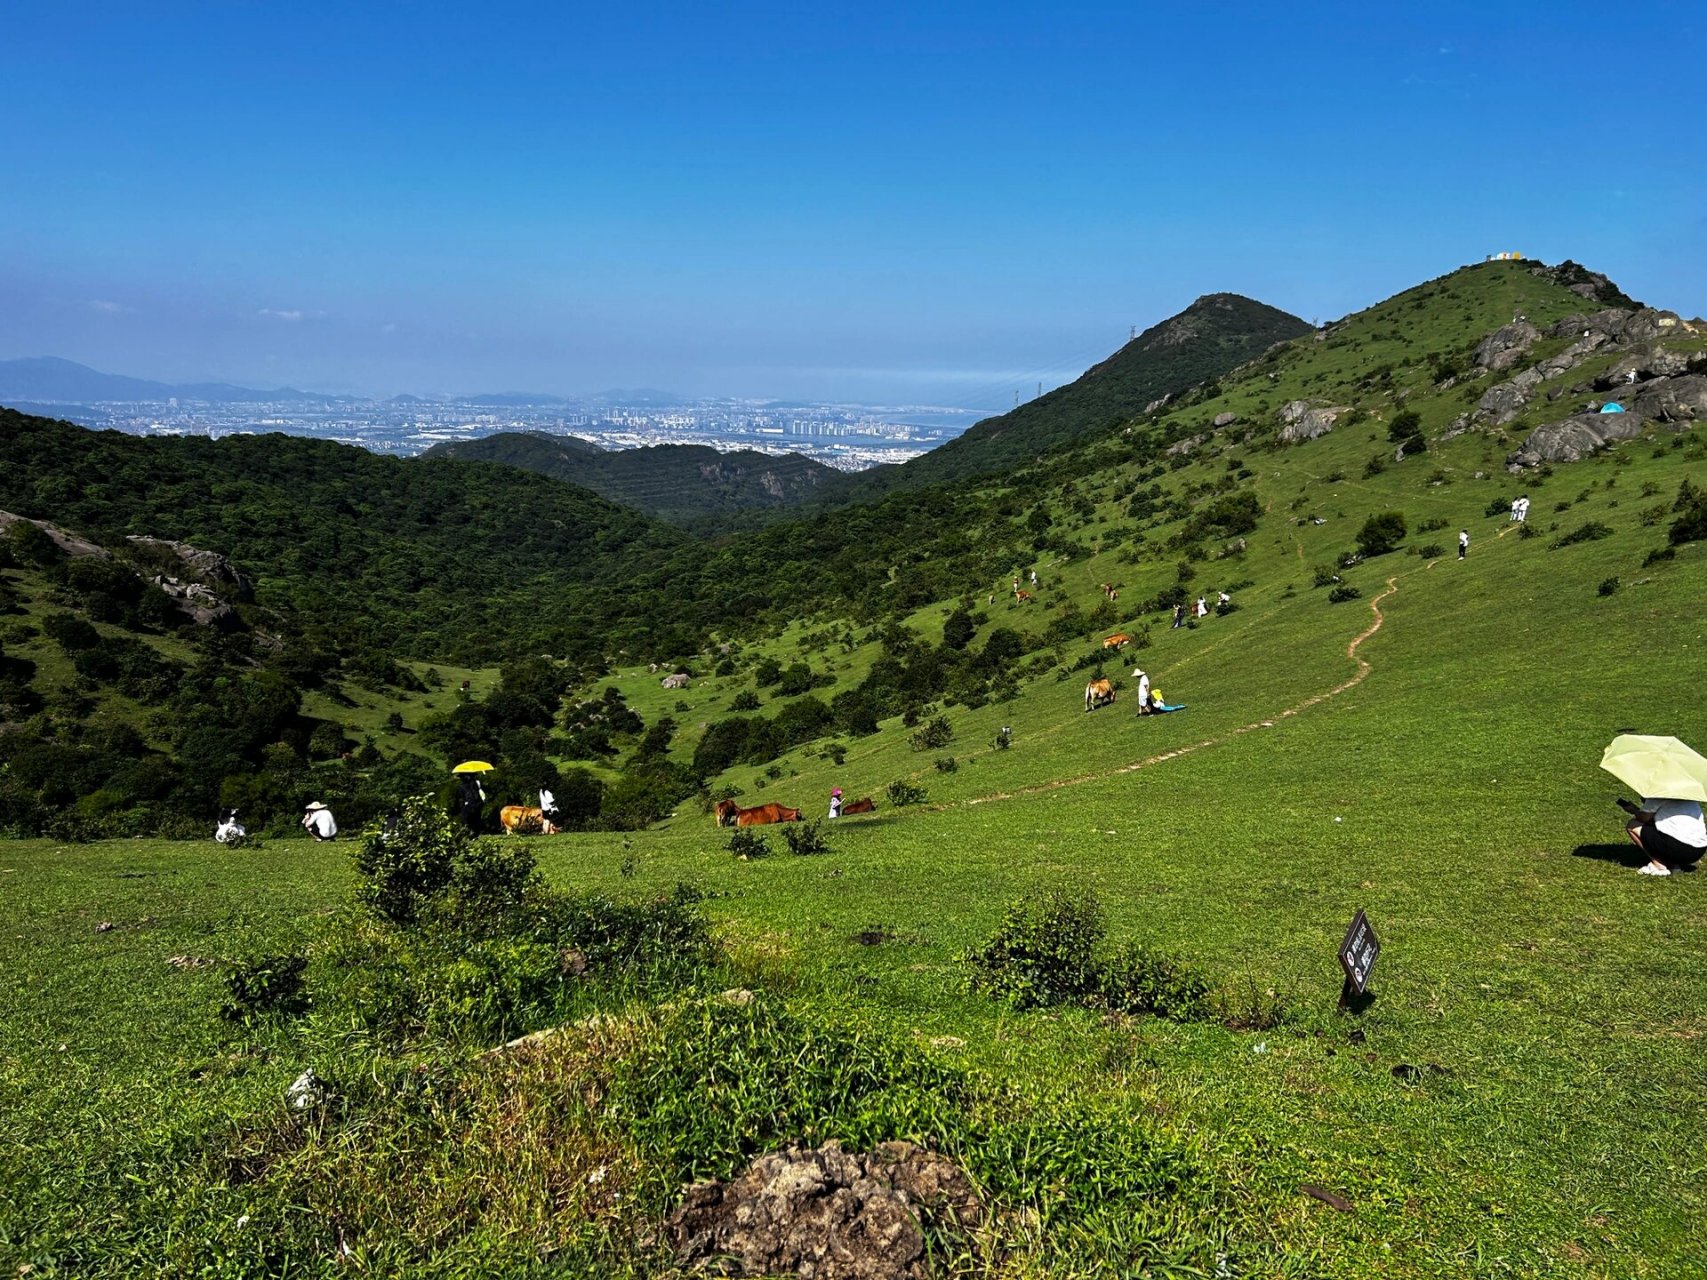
point(470, 795)
point(1672, 779)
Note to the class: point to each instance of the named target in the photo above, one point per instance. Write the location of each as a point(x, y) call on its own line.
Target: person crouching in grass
point(1670, 832)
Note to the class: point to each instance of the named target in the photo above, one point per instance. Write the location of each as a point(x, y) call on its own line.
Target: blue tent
point(1612, 406)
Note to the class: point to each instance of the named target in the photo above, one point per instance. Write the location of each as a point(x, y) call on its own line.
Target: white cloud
point(291, 315)
point(110, 308)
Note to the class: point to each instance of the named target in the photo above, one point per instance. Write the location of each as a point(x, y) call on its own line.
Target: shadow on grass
point(1625, 855)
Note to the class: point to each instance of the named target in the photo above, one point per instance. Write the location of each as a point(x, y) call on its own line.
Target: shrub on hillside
point(805, 839)
point(271, 986)
point(1042, 953)
point(902, 793)
point(1343, 592)
point(1593, 531)
point(746, 700)
point(1691, 508)
point(746, 843)
point(1381, 533)
point(938, 732)
point(1045, 952)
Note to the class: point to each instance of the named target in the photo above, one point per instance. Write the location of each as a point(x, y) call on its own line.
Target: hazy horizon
point(875, 206)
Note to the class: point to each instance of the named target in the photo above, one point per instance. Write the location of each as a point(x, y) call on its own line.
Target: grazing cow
point(1119, 640)
point(1110, 591)
point(525, 820)
point(1024, 597)
point(1098, 693)
point(866, 805)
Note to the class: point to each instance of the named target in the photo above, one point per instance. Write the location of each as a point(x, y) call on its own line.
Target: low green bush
point(1342, 593)
point(744, 842)
point(805, 839)
point(902, 793)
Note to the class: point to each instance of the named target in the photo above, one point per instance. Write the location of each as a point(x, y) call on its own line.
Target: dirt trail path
point(1357, 678)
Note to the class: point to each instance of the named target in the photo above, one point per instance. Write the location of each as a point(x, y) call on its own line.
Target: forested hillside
point(690, 485)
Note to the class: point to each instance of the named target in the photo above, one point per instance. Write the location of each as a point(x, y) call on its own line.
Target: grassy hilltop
point(1522, 1098)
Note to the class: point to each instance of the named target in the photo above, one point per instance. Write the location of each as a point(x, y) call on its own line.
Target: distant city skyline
point(885, 204)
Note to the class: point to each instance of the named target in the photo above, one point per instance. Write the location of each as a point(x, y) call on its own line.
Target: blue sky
point(921, 202)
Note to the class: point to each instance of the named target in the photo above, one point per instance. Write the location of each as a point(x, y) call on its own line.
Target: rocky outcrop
point(1179, 448)
point(1641, 366)
point(826, 1214)
point(1505, 346)
point(1674, 400)
point(1301, 420)
point(1499, 405)
point(206, 567)
point(1225, 419)
point(1574, 439)
point(1626, 328)
point(73, 545)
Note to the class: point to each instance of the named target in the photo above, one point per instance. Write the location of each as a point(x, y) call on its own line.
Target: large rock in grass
point(1575, 438)
point(1501, 404)
point(1304, 421)
point(1672, 400)
point(826, 1213)
point(1505, 346)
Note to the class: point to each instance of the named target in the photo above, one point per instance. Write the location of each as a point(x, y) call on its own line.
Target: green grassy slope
point(1522, 1098)
point(1214, 334)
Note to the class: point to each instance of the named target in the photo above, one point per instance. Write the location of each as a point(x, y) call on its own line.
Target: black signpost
point(1357, 957)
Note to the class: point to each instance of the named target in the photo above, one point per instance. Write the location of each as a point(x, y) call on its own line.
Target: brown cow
point(765, 814)
point(1024, 597)
point(524, 820)
point(1098, 693)
point(866, 805)
point(730, 814)
point(1119, 640)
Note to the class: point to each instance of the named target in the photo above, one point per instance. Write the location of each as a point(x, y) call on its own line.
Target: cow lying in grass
point(729, 814)
point(524, 820)
point(867, 805)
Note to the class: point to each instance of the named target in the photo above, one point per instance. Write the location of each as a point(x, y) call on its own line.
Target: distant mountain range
point(50, 380)
point(685, 484)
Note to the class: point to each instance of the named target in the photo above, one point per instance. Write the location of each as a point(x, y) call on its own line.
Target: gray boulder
point(73, 545)
point(1181, 447)
point(1505, 346)
point(1575, 438)
point(1226, 419)
point(1311, 423)
point(1501, 404)
point(1672, 400)
point(826, 1213)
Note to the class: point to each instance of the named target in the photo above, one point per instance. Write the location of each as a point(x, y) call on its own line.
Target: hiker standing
point(470, 799)
point(835, 802)
point(1143, 690)
point(548, 806)
point(1179, 616)
point(1463, 543)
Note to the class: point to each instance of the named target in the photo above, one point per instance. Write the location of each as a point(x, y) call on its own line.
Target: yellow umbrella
point(473, 766)
point(1656, 768)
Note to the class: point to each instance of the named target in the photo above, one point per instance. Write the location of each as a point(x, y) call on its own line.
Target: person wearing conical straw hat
point(317, 820)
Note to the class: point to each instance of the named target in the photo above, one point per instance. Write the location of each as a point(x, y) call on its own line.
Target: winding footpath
point(1357, 678)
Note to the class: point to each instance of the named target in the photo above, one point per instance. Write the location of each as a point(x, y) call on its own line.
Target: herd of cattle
point(730, 814)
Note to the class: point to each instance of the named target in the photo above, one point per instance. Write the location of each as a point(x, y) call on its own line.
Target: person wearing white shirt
point(317, 820)
point(1143, 690)
point(1670, 832)
point(228, 828)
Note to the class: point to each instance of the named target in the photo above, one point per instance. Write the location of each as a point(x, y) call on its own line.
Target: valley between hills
point(1067, 1003)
